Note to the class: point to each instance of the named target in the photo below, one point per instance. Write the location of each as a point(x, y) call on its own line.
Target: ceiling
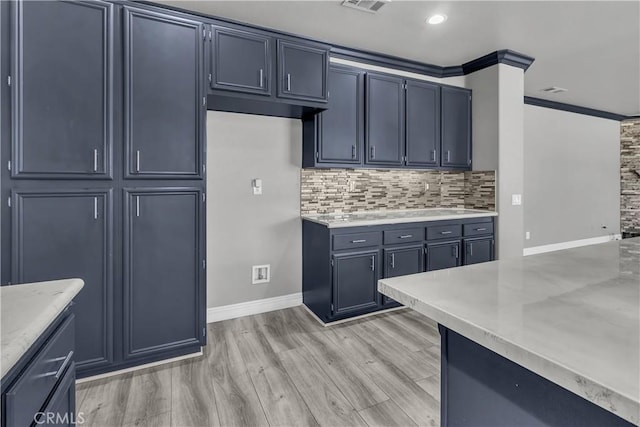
point(591, 48)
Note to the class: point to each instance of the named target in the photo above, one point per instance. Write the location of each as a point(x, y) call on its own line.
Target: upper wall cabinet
point(164, 101)
point(302, 71)
point(384, 133)
point(456, 128)
point(240, 61)
point(423, 123)
point(338, 132)
point(61, 89)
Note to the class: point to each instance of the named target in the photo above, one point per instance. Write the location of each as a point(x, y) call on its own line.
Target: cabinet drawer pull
point(446, 232)
point(95, 160)
point(57, 374)
point(433, 155)
point(471, 249)
point(373, 263)
point(373, 152)
point(359, 241)
point(448, 156)
point(455, 251)
point(261, 77)
point(137, 160)
point(288, 82)
point(405, 236)
point(481, 229)
point(137, 205)
point(95, 208)
point(353, 151)
point(393, 260)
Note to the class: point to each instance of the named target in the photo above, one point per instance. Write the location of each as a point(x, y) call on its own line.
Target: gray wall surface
point(243, 229)
point(571, 176)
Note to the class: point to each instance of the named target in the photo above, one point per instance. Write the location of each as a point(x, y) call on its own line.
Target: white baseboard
point(568, 245)
point(216, 314)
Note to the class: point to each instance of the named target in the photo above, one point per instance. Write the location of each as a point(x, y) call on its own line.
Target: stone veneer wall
point(630, 176)
point(326, 191)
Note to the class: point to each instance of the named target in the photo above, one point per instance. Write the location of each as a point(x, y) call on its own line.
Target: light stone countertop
point(357, 219)
point(571, 316)
point(27, 310)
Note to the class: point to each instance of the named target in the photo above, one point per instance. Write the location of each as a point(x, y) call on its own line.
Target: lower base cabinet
point(355, 277)
point(342, 266)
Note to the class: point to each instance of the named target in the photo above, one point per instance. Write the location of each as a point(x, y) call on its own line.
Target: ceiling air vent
point(554, 89)
point(365, 5)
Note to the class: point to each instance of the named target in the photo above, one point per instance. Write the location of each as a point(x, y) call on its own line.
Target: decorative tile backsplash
point(630, 176)
point(350, 190)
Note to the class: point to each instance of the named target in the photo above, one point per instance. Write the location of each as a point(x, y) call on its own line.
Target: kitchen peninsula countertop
point(27, 310)
point(571, 316)
point(357, 219)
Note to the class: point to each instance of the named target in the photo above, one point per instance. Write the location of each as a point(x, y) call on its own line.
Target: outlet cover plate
point(260, 274)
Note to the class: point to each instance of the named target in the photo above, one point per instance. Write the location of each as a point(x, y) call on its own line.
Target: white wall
point(243, 229)
point(571, 176)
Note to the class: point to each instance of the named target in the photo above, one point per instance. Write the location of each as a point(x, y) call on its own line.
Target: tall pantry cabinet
point(103, 132)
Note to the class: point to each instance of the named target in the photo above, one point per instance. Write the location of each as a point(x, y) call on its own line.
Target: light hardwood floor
point(284, 369)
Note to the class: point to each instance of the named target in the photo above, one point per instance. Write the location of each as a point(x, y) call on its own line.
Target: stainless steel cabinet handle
point(57, 374)
point(405, 236)
point(359, 241)
point(455, 251)
point(95, 208)
point(137, 160)
point(137, 205)
point(288, 82)
point(373, 152)
point(261, 77)
point(95, 160)
point(446, 232)
point(373, 263)
point(393, 260)
point(471, 249)
point(433, 155)
point(353, 151)
point(448, 156)
point(481, 229)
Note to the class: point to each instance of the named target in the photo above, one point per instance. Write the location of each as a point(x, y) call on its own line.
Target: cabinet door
point(384, 120)
point(302, 71)
point(163, 100)
point(355, 277)
point(456, 128)
point(163, 270)
point(400, 262)
point(67, 234)
point(241, 61)
point(478, 250)
point(341, 126)
point(443, 255)
point(62, 89)
point(423, 123)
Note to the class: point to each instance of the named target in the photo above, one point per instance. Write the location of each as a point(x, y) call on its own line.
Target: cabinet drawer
point(410, 235)
point(478, 229)
point(444, 232)
point(357, 240)
point(30, 391)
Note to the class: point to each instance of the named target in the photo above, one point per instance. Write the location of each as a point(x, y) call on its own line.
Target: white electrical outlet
point(256, 184)
point(260, 274)
point(527, 235)
point(516, 199)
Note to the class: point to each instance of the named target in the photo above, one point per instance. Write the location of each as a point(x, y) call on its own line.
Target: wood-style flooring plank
point(279, 397)
point(386, 414)
point(193, 401)
point(280, 334)
point(104, 401)
point(408, 326)
point(327, 404)
point(149, 396)
point(236, 398)
point(431, 385)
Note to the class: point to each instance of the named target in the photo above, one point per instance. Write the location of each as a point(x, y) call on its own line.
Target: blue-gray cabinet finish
point(240, 61)
point(68, 233)
point(302, 71)
point(62, 71)
point(423, 124)
point(164, 101)
point(456, 128)
point(385, 109)
point(341, 266)
point(163, 270)
point(43, 380)
point(335, 137)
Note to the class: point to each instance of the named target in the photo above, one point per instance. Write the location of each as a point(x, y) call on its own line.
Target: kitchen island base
point(482, 388)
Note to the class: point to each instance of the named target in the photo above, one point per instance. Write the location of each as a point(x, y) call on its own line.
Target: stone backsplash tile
point(328, 190)
point(629, 178)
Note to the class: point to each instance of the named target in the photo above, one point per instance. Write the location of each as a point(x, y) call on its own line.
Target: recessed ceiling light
point(436, 19)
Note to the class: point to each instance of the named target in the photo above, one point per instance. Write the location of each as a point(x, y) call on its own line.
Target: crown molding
point(538, 102)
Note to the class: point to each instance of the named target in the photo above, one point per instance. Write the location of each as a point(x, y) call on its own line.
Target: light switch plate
point(516, 199)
